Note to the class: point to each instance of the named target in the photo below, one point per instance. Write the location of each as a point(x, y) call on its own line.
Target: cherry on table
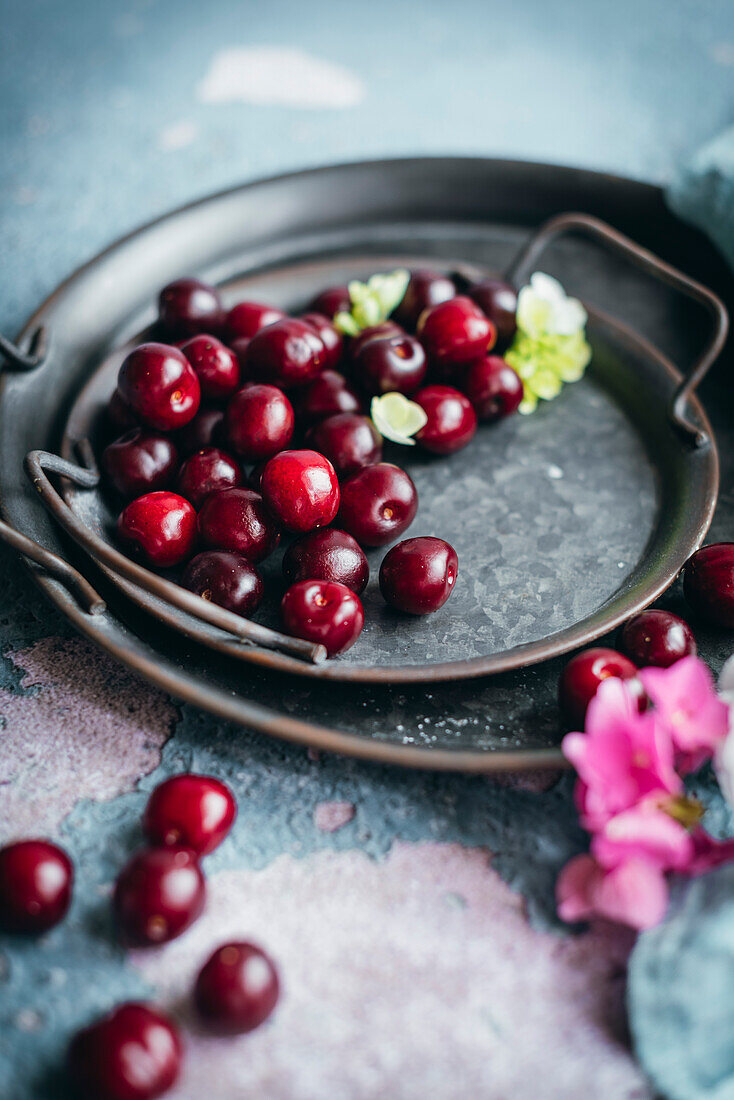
point(160, 386)
point(583, 674)
point(493, 387)
point(217, 367)
point(348, 440)
point(301, 490)
point(327, 554)
point(377, 504)
point(227, 579)
point(327, 394)
point(418, 575)
point(237, 988)
point(332, 300)
point(246, 319)
point(208, 471)
point(36, 879)
point(656, 637)
point(205, 430)
point(426, 288)
point(237, 519)
point(158, 894)
point(373, 332)
point(159, 527)
point(456, 331)
point(324, 612)
point(390, 364)
point(708, 583)
point(134, 1053)
point(287, 353)
point(451, 423)
point(140, 461)
point(329, 335)
point(259, 421)
point(187, 307)
point(190, 811)
point(498, 300)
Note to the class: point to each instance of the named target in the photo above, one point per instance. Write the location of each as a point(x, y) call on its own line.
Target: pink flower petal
point(635, 893)
point(644, 832)
point(685, 698)
point(573, 888)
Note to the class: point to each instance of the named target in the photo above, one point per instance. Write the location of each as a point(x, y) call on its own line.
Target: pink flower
point(647, 832)
point(633, 893)
point(686, 701)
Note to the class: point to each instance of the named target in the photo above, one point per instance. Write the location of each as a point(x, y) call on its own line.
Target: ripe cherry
point(190, 811)
point(418, 575)
point(451, 423)
point(348, 440)
point(324, 612)
point(140, 462)
point(237, 988)
point(119, 414)
point(259, 421)
point(287, 353)
point(456, 331)
point(374, 332)
point(493, 387)
point(581, 678)
point(187, 307)
point(160, 386)
point(425, 289)
point(134, 1053)
point(248, 318)
point(208, 471)
point(388, 364)
point(205, 430)
point(216, 366)
point(237, 520)
point(227, 579)
point(327, 554)
point(159, 527)
point(377, 504)
point(329, 393)
point(657, 638)
point(335, 299)
point(158, 894)
point(498, 300)
point(301, 489)
point(330, 337)
point(36, 879)
point(708, 583)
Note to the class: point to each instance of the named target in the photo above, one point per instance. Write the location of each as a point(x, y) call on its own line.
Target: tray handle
point(38, 463)
point(24, 360)
point(524, 263)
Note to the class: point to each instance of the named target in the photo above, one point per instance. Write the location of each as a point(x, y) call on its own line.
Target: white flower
point(724, 755)
point(397, 418)
point(544, 309)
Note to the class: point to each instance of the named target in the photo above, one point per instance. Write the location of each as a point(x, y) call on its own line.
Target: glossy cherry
point(327, 554)
point(390, 364)
point(259, 421)
point(330, 337)
point(237, 520)
point(708, 583)
point(158, 894)
point(348, 440)
point(581, 678)
point(498, 301)
point(287, 353)
point(119, 414)
point(324, 612)
point(425, 289)
point(374, 332)
point(236, 989)
point(332, 300)
point(301, 490)
point(493, 387)
point(208, 471)
point(227, 579)
point(239, 346)
point(140, 462)
point(329, 393)
point(205, 430)
point(456, 331)
point(377, 504)
point(160, 386)
point(248, 318)
point(418, 575)
point(216, 366)
point(188, 306)
point(189, 811)
point(36, 879)
point(451, 423)
point(158, 527)
point(658, 638)
point(134, 1053)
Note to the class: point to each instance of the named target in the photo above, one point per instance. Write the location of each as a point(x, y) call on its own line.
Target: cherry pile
point(245, 427)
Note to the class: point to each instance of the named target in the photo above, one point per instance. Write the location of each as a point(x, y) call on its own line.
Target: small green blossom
point(397, 418)
point(373, 301)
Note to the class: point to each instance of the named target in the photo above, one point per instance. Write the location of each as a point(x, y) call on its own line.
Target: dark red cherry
point(335, 299)
point(456, 331)
point(390, 364)
point(237, 520)
point(327, 555)
point(134, 1053)
point(237, 988)
point(255, 477)
point(248, 318)
point(657, 638)
point(205, 430)
point(119, 413)
point(425, 289)
point(160, 385)
point(259, 421)
point(208, 471)
point(286, 354)
point(239, 346)
point(377, 504)
point(189, 811)
point(36, 879)
point(324, 612)
point(374, 332)
point(493, 387)
point(140, 462)
point(329, 393)
point(188, 306)
point(348, 440)
point(330, 337)
point(225, 578)
point(581, 678)
point(159, 527)
point(301, 489)
point(216, 366)
point(451, 423)
point(708, 583)
point(418, 575)
point(498, 301)
point(158, 894)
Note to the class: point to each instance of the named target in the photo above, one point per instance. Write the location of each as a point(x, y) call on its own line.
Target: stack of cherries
point(283, 398)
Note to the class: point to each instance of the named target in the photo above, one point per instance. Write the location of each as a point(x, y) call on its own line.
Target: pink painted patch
point(412, 977)
point(330, 816)
point(90, 731)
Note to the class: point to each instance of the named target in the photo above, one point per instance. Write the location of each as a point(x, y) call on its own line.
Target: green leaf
point(373, 301)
